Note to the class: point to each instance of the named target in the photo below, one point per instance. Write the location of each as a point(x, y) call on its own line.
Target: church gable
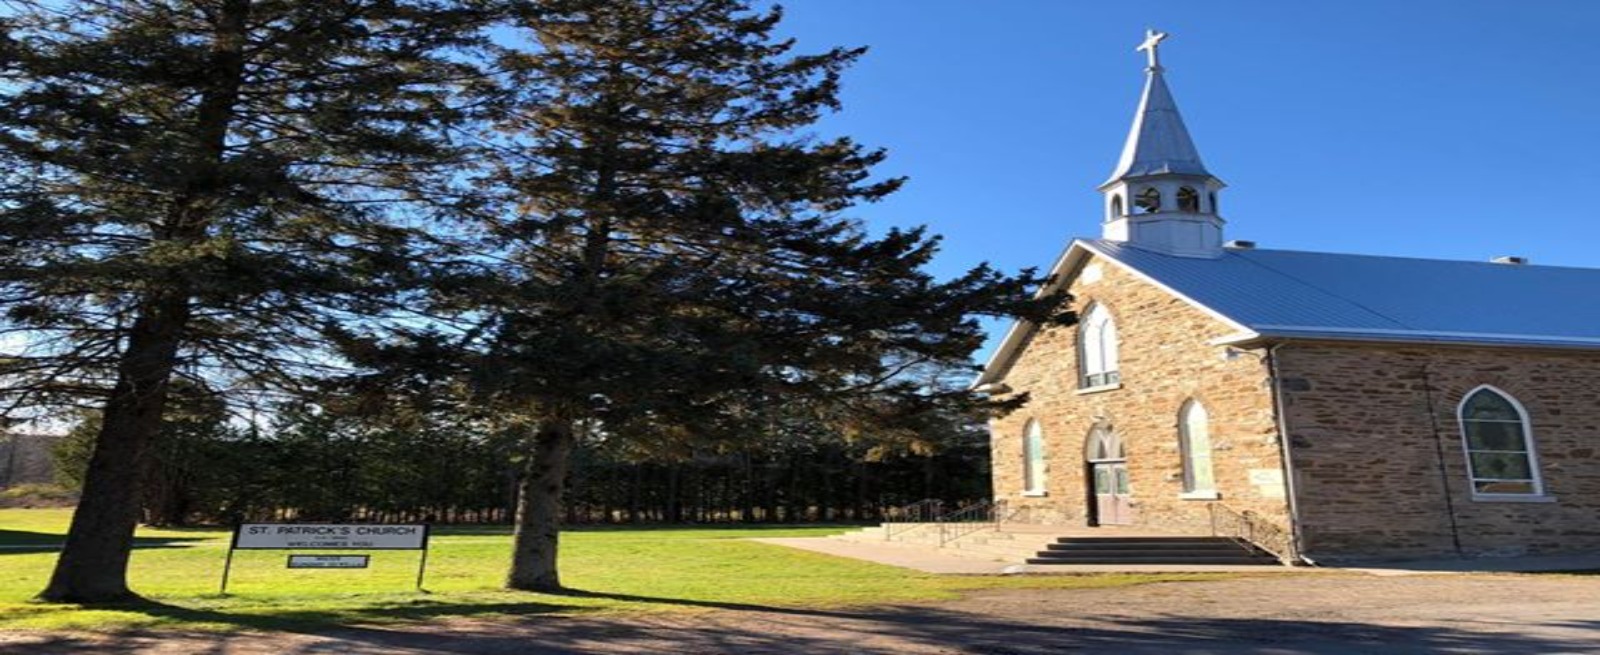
point(1160, 367)
point(1083, 265)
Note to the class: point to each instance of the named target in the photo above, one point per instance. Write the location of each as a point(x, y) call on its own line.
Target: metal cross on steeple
point(1152, 40)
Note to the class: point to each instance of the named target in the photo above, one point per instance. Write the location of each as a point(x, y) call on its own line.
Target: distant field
point(614, 569)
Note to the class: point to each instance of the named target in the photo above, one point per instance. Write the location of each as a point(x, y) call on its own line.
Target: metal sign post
point(228, 564)
point(328, 536)
point(422, 564)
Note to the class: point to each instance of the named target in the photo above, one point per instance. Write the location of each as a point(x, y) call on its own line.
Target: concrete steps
point(1151, 550)
point(1045, 545)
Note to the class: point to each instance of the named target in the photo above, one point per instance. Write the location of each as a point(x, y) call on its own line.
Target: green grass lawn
point(609, 569)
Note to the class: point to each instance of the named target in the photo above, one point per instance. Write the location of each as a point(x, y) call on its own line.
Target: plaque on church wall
point(1268, 482)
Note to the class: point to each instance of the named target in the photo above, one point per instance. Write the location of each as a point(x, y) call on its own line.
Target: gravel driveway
point(1270, 614)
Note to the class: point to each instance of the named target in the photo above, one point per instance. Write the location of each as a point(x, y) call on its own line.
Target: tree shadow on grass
point(16, 542)
point(418, 610)
point(757, 630)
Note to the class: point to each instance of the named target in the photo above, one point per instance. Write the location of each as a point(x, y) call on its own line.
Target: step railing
point(1253, 528)
point(920, 514)
point(977, 517)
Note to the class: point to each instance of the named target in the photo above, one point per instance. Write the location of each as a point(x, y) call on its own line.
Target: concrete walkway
point(932, 560)
point(910, 556)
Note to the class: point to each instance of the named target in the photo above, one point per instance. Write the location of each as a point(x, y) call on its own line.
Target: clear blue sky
point(1455, 129)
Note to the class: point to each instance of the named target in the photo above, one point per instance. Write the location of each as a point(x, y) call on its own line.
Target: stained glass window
point(1500, 456)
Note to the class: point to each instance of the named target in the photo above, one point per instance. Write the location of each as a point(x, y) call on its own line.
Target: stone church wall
point(1165, 360)
point(1378, 455)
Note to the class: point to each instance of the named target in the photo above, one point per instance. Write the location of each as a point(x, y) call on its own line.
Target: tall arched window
point(1194, 442)
point(1033, 459)
point(1500, 455)
point(1097, 349)
point(1188, 200)
point(1116, 205)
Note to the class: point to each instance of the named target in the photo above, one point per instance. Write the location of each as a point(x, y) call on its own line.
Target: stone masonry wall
point(1165, 360)
point(1378, 455)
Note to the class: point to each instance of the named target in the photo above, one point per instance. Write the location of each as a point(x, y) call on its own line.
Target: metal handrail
point(1252, 527)
point(899, 520)
point(976, 517)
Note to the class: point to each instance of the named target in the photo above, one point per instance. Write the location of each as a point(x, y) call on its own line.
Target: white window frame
point(1035, 468)
point(1194, 457)
point(1532, 449)
point(1098, 357)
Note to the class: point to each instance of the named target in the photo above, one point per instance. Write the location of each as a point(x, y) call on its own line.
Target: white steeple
point(1161, 197)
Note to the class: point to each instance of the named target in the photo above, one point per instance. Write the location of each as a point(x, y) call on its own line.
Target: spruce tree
point(678, 258)
point(201, 188)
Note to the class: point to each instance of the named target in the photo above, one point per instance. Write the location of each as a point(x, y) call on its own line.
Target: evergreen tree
point(678, 262)
point(199, 188)
point(189, 460)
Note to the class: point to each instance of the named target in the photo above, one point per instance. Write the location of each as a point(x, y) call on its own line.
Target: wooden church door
point(1108, 478)
point(1112, 504)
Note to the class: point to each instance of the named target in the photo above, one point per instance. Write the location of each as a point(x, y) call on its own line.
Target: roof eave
point(1020, 330)
point(1075, 253)
point(1412, 338)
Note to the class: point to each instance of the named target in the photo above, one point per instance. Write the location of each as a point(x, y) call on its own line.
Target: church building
point(1330, 407)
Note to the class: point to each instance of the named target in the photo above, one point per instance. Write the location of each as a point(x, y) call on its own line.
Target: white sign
point(363, 536)
point(1260, 477)
point(328, 561)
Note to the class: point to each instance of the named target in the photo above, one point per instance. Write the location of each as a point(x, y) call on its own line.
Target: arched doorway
point(1106, 461)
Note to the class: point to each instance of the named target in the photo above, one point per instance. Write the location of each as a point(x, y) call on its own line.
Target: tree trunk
point(674, 502)
point(538, 529)
point(636, 471)
point(747, 497)
point(93, 566)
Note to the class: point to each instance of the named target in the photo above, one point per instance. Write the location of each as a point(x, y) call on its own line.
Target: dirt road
point(1277, 614)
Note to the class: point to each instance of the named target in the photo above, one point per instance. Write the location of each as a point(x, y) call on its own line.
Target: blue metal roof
point(1287, 293)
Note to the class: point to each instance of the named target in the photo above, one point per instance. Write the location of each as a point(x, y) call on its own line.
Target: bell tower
point(1161, 197)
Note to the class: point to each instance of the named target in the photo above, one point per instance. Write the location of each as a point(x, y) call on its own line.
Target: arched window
point(1033, 458)
point(1213, 197)
point(1500, 455)
point(1194, 442)
point(1188, 200)
point(1148, 201)
point(1097, 349)
point(1116, 206)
